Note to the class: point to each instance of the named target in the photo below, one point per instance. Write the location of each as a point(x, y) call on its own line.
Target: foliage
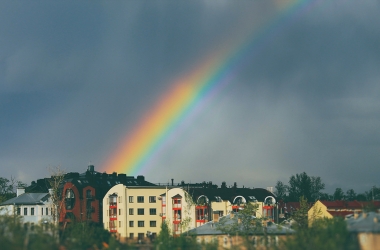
point(301, 215)
point(165, 240)
point(243, 223)
point(84, 235)
point(8, 188)
point(281, 190)
point(350, 195)
point(303, 185)
point(339, 194)
point(323, 234)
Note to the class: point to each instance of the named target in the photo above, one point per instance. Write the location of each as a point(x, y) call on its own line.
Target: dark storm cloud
point(75, 77)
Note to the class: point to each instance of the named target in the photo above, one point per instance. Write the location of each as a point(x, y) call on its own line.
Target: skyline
point(77, 77)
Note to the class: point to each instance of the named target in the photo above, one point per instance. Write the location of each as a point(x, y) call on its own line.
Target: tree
point(280, 190)
point(8, 188)
point(323, 234)
point(338, 194)
point(55, 182)
point(300, 215)
point(303, 185)
point(350, 195)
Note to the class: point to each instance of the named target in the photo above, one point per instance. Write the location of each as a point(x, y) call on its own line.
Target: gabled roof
point(27, 199)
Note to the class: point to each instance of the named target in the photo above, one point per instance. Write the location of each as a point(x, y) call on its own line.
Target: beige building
point(187, 208)
point(133, 213)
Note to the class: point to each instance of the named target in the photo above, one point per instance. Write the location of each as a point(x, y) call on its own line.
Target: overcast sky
point(76, 76)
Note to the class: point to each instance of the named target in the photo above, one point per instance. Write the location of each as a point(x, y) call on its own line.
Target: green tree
point(280, 190)
point(350, 195)
point(323, 234)
point(244, 223)
point(300, 216)
point(303, 185)
point(338, 194)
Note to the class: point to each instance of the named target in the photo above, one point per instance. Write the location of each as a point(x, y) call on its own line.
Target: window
point(131, 236)
point(119, 223)
point(47, 211)
point(141, 236)
point(119, 211)
point(18, 211)
point(140, 211)
point(140, 199)
point(42, 211)
point(152, 199)
point(32, 211)
point(25, 211)
point(130, 198)
point(140, 223)
point(152, 223)
point(120, 199)
point(69, 199)
point(131, 223)
point(152, 211)
point(131, 211)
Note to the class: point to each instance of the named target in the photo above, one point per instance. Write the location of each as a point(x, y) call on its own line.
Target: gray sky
point(75, 77)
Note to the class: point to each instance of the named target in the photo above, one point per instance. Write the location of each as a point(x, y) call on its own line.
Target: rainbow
point(188, 95)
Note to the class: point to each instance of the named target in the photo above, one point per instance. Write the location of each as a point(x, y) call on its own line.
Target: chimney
point(51, 192)
point(20, 191)
point(91, 168)
point(172, 182)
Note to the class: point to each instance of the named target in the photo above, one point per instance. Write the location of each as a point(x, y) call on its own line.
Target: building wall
point(369, 241)
point(36, 218)
point(128, 200)
point(317, 211)
point(237, 242)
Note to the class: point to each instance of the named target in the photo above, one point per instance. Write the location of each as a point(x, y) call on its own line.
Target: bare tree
point(55, 182)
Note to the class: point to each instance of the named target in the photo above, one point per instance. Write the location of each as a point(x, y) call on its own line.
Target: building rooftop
point(364, 222)
point(27, 199)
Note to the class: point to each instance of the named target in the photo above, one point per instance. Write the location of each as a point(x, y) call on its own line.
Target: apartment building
point(185, 208)
point(133, 212)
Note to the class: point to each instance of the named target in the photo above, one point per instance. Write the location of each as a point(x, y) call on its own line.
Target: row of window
point(141, 223)
point(141, 236)
point(32, 211)
point(140, 211)
point(140, 199)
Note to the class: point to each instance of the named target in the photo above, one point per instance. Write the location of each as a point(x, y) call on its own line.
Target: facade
point(185, 208)
point(33, 208)
point(82, 194)
point(132, 213)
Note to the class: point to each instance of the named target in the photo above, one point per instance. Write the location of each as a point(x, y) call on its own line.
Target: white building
point(33, 208)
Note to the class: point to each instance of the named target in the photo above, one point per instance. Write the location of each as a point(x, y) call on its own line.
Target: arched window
point(69, 199)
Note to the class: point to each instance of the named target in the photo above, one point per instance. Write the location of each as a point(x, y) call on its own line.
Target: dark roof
point(102, 182)
point(230, 194)
point(27, 199)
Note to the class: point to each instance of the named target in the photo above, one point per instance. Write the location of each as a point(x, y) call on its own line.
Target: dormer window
point(218, 199)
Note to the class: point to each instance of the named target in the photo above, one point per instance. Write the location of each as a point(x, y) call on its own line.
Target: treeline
point(311, 188)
